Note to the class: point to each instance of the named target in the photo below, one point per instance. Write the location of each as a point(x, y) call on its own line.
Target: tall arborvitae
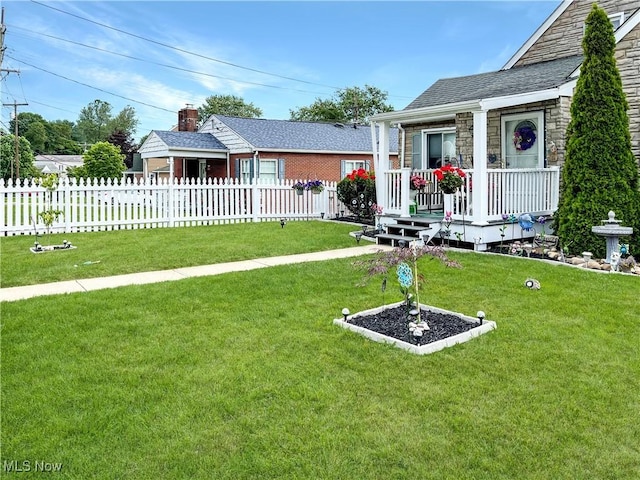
point(600, 172)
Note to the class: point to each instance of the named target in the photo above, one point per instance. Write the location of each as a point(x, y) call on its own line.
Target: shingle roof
point(316, 136)
point(190, 140)
point(516, 80)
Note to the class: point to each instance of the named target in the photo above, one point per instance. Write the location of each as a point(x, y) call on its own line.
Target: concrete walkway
point(88, 284)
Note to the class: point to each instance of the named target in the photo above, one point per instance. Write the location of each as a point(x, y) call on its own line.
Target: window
point(616, 19)
point(269, 169)
point(433, 149)
point(348, 166)
point(523, 140)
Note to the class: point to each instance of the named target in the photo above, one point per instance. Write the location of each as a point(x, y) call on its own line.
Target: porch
point(477, 208)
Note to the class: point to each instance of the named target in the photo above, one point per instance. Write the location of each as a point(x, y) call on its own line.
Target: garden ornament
point(615, 261)
point(532, 284)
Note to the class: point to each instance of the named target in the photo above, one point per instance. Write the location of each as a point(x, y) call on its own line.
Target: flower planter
point(299, 192)
point(476, 330)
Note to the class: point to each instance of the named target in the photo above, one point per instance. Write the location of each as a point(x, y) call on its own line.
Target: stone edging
point(487, 326)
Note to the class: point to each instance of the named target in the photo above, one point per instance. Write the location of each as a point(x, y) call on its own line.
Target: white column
point(381, 160)
point(480, 187)
point(405, 199)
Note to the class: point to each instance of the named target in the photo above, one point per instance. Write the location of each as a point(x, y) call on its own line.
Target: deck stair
point(405, 229)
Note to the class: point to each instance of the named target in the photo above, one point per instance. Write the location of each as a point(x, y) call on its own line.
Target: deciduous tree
point(7, 157)
point(229, 105)
point(103, 160)
point(348, 105)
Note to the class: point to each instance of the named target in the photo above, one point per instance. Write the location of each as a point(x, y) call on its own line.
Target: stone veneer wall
point(556, 119)
point(564, 37)
point(410, 131)
point(628, 62)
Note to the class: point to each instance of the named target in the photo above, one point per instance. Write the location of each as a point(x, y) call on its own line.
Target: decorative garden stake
point(345, 313)
point(480, 316)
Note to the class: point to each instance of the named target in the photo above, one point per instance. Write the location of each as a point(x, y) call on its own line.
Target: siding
point(628, 61)
point(564, 37)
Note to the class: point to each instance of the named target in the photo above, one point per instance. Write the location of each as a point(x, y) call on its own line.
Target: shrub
point(357, 191)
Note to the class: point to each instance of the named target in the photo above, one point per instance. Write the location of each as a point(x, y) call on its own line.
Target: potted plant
point(298, 187)
point(450, 178)
point(315, 186)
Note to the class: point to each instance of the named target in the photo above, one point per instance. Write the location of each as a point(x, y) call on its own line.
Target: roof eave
point(449, 111)
point(433, 113)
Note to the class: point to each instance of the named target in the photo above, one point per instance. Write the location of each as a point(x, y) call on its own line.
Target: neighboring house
point(58, 164)
point(251, 148)
point(472, 122)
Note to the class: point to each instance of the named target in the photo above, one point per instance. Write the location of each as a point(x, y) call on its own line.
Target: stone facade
point(564, 37)
point(628, 62)
point(556, 119)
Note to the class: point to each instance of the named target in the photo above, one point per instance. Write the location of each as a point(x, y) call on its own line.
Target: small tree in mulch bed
point(600, 172)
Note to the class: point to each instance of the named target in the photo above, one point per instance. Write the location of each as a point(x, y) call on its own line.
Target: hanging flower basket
point(298, 187)
point(315, 186)
point(524, 136)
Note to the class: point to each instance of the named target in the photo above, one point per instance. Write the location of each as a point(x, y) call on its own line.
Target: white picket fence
point(96, 205)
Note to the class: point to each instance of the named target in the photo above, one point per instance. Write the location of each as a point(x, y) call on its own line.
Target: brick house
point(472, 122)
point(251, 148)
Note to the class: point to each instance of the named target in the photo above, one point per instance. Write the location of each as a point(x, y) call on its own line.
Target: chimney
point(188, 119)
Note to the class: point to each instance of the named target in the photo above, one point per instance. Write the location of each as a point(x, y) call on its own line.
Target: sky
point(159, 56)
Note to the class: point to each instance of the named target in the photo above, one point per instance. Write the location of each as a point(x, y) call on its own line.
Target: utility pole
point(16, 158)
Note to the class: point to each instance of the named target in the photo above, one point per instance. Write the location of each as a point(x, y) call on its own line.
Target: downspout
point(256, 157)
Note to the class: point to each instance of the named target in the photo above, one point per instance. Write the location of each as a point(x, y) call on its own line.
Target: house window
point(616, 19)
point(348, 166)
point(434, 149)
point(523, 140)
point(269, 169)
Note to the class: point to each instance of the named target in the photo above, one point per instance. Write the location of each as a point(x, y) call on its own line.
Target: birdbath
point(612, 231)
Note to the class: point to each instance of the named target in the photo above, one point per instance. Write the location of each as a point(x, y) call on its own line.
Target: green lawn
point(129, 251)
point(243, 376)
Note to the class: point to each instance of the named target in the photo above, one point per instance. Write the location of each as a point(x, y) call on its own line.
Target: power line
point(164, 64)
point(90, 86)
point(185, 51)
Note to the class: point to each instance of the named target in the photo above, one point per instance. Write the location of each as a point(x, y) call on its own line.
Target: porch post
point(380, 159)
point(480, 188)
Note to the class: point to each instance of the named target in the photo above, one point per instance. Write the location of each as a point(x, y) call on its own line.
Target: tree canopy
point(102, 160)
point(600, 172)
point(52, 138)
point(229, 105)
point(96, 122)
point(348, 105)
point(25, 167)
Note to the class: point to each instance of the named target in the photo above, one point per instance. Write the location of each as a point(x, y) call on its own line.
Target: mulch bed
point(394, 322)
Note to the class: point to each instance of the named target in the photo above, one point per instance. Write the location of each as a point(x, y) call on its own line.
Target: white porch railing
point(509, 191)
point(109, 205)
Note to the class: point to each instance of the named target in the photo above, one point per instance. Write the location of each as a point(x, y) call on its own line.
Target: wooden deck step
point(393, 239)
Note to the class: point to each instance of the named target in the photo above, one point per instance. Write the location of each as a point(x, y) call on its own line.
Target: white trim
point(537, 34)
point(629, 24)
point(632, 22)
point(434, 113)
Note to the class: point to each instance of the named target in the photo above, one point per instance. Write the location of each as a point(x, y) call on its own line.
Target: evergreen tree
point(600, 172)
